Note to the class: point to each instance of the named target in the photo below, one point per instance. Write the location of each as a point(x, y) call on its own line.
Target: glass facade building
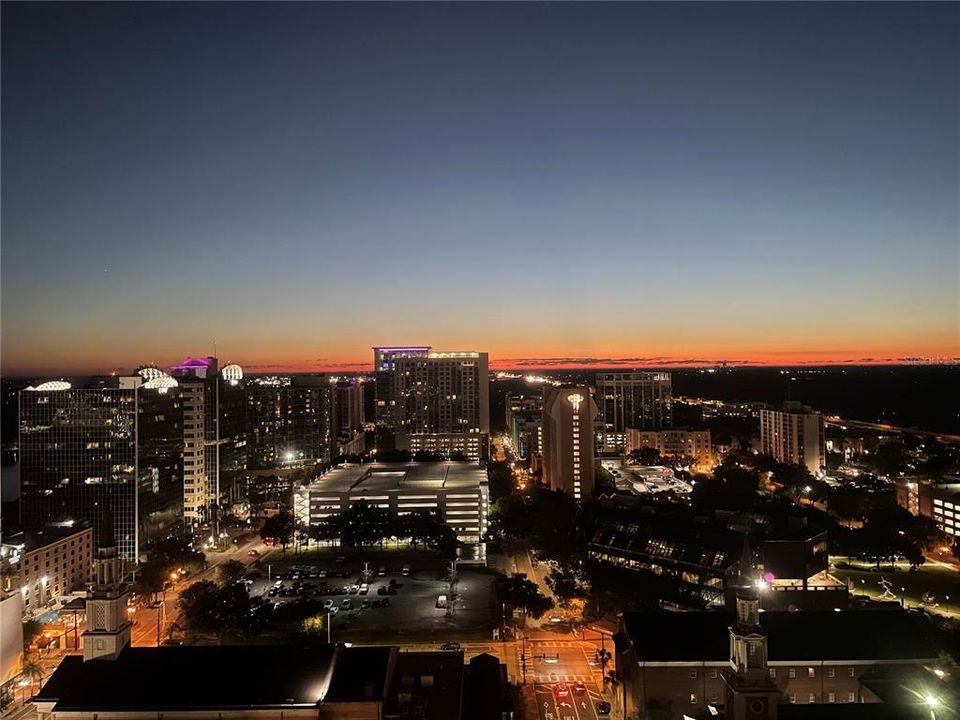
point(639, 400)
point(78, 454)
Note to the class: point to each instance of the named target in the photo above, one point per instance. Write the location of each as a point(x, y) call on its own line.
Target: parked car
point(405, 571)
point(340, 559)
point(327, 604)
point(334, 610)
point(364, 589)
point(382, 571)
point(365, 603)
point(382, 590)
point(450, 646)
point(345, 604)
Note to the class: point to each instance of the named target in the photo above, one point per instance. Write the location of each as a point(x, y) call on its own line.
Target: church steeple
point(750, 692)
point(108, 628)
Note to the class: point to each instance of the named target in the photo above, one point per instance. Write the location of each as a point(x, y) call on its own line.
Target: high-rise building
point(638, 400)
point(160, 452)
point(524, 421)
point(421, 392)
point(793, 435)
point(288, 421)
point(78, 453)
point(348, 407)
point(568, 443)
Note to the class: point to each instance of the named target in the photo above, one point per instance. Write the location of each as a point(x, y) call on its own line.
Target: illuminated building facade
point(568, 442)
point(288, 421)
point(941, 502)
point(638, 400)
point(794, 435)
point(524, 422)
point(457, 491)
point(692, 444)
point(214, 437)
point(43, 565)
point(422, 392)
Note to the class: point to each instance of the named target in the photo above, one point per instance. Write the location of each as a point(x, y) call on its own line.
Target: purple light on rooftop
point(194, 363)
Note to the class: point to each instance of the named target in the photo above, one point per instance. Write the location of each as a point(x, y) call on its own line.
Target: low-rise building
point(48, 563)
point(456, 490)
point(682, 661)
point(941, 502)
point(680, 444)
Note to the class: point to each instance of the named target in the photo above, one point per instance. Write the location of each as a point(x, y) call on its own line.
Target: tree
point(230, 571)
point(520, 593)
point(208, 608)
point(280, 527)
point(32, 670)
point(646, 456)
point(500, 479)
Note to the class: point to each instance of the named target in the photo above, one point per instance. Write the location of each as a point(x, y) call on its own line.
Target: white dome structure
point(160, 384)
point(52, 385)
point(150, 373)
point(232, 373)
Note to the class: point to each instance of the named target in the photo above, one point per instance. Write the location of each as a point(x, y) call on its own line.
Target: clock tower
point(108, 627)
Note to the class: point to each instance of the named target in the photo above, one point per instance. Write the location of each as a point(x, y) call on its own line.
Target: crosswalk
point(559, 677)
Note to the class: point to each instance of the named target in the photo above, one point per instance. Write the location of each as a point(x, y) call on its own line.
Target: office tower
point(78, 453)
point(348, 407)
point(434, 400)
point(793, 435)
point(524, 422)
point(214, 440)
point(568, 443)
point(288, 421)
point(638, 400)
point(160, 451)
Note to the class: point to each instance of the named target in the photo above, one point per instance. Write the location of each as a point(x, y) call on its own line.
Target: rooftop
point(401, 477)
point(239, 676)
point(809, 635)
point(30, 540)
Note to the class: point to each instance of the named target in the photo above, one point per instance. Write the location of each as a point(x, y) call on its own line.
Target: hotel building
point(46, 564)
point(568, 442)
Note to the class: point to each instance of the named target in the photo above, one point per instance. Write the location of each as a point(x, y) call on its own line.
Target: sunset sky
point(556, 184)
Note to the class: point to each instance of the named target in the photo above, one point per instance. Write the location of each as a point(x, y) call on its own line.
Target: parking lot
point(386, 603)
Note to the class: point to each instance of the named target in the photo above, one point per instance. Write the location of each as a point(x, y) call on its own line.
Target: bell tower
point(751, 694)
point(108, 628)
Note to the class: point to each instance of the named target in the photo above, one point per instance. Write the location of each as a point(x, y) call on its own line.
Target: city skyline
point(636, 184)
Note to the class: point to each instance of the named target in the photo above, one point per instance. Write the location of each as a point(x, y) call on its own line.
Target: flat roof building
point(456, 490)
point(794, 435)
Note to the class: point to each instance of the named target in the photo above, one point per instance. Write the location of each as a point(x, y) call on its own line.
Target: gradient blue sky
point(761, 182)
